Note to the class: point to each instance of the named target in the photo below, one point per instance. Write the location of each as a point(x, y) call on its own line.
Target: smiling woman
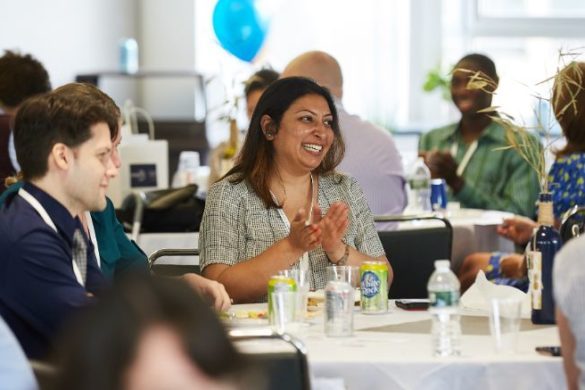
point(283, 205)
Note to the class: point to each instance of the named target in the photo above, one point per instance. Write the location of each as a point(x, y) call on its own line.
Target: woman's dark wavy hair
point(255, 162)
point(97, 348)
point(568, 102)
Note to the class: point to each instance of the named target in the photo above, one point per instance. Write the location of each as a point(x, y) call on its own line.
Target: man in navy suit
point(47, 265)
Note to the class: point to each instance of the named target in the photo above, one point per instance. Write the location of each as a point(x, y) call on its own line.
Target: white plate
point(233, 321)
point(245, 322)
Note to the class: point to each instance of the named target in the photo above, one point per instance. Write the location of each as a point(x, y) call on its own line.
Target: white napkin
point(328, 383)
point(478, 296)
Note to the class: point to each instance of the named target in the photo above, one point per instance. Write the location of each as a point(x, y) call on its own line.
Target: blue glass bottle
point(546, 242)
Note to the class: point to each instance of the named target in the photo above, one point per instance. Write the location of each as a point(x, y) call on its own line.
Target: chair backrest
point(412, 253)
point(573, 223)
point(282, 368)
point(172, 269)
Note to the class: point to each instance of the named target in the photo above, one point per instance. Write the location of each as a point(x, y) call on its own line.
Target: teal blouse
point(117, 252)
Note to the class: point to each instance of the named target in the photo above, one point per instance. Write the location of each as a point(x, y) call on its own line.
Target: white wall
point(82, 36)
point(68, 36)
point(167, 43)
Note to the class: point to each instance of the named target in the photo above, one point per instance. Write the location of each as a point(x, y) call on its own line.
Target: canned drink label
point(338, 309)
point(279, 283)
point(374, 287)
point(370, 284)
point(335, 304)
point(438, 194)
point(440, 299)
point(283, 287)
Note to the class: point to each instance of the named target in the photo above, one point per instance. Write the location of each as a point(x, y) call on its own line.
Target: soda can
point(374, 287)
point(279, 283)
point(338, 309)
point(438, 194)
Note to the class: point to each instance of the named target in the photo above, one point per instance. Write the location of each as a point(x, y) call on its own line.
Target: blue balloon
point(239, 27)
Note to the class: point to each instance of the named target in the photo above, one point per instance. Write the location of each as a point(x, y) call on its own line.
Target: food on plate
point(244, 314)
point(316, 299)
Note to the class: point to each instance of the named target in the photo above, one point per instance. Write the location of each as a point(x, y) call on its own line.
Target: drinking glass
point(344, 273)
point(283, 310)
point(301, 277)
point(505, 323)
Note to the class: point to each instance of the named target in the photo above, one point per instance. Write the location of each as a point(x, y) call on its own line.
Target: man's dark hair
point(484, 63)
point(21, 76)
point(260, 80)
point(64, 115)
point(255, 161)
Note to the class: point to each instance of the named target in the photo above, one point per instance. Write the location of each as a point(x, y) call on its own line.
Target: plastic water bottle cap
point(442, 264)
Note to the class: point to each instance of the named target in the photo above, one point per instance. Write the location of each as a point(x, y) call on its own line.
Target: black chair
point(412, 253)
point(172, 269)
point(282, 369)
point(573, 223)
point(162, 211)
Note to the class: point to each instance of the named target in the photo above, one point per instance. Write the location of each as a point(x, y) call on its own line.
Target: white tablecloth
point(400, 358)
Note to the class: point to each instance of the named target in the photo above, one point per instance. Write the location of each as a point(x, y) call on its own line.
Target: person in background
point(15, 370)
point(566, 180)
point(253, 89)
point(569, 293)
point(114, 251)
point(21, 76)
point(371, 154)
point(255, 86)
point(283, 205)
point(463, 153)
point(149, 334)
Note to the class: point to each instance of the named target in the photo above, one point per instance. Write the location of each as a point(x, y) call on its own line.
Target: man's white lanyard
point(45, 216)
point(93, 238)
point(304, 259)
point(466, 157)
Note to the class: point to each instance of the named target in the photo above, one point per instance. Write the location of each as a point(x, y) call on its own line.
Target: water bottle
point(443, 291)
point(129, 56)
point(420, 187)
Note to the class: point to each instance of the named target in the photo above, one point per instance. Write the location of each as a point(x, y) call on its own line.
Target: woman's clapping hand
point(303, 236)
point(327, 231)
point(333, 227)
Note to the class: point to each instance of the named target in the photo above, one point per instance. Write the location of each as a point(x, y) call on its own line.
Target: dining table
point(393, 351)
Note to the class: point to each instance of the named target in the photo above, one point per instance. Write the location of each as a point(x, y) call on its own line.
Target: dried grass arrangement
point(525, 140)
